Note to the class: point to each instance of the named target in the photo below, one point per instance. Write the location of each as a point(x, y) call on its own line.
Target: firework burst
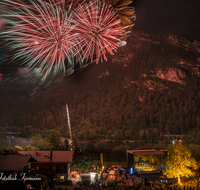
point(125, 13)
point(42, 35)
point(97, 30)
point(55, 35)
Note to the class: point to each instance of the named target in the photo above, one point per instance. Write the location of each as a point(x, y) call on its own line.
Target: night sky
point(179, 17)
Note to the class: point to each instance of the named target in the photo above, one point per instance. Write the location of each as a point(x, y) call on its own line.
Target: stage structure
point(145, 161)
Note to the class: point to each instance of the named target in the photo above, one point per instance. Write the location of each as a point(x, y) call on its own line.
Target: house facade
point(55, 162)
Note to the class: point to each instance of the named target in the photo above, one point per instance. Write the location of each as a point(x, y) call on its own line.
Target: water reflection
point(9, 137)
point(13, 140)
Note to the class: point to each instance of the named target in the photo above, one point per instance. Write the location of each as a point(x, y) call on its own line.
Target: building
point(55, 162)
point(145, 161)
point(16, 148)
point(14, 163)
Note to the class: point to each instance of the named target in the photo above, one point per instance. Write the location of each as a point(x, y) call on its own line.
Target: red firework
point(51, 35)
point(42, 35)
point(97, 30)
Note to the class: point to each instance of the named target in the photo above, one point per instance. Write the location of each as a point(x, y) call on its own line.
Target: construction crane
point(70, 131)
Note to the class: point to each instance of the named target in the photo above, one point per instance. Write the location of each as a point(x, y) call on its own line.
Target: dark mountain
point(149, 88)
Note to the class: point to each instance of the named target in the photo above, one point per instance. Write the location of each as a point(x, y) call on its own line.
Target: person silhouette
point(12, 185)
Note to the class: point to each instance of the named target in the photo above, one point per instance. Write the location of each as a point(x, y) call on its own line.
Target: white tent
point(112, 172)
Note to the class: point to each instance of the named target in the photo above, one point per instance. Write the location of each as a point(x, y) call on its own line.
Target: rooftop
point(50, 156)
point(17, 148)
point(146, 152)
point(14, 162)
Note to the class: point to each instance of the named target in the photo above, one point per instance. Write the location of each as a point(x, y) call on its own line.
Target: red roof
point(13, 162)
point(45, 156)
point(15, 148)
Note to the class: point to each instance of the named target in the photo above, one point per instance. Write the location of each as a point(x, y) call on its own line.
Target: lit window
point(37, 168)
point(62, 177)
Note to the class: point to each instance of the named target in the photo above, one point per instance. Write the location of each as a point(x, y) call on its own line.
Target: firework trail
point(97, 30)
point(42, 35)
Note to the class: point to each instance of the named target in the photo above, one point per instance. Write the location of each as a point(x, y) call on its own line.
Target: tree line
point(52, 141)
point(112, 107)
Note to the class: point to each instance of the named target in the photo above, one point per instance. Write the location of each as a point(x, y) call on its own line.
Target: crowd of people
point(121, 181)
point(125, 181)
point(134, 186)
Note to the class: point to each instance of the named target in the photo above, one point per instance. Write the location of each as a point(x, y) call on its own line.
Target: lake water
point(13, 140)
point(132, 145)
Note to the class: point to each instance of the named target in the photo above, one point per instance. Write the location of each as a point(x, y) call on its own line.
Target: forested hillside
point(149, 88)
